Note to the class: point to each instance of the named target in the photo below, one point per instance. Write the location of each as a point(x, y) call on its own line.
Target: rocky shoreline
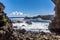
point(33, 36)
point(8, 33)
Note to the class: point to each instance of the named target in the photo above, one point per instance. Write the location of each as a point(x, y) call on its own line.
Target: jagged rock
point(5, 25)
point(55, 25)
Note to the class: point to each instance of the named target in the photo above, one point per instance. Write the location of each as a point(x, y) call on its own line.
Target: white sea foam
point(35, 26)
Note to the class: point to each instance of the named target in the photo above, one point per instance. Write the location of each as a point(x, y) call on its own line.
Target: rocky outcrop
point(55, 25)
point(44, 17)
point(5, 25)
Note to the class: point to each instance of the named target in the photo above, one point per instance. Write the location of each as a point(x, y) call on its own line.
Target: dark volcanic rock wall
point(5, 25)
point(55, 25)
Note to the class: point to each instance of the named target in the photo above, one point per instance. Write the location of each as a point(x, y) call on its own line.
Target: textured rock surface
point(5, 25)
point(55, 25)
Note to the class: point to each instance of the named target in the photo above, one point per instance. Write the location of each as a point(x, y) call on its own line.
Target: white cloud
point(16, 14)
point(21, 14)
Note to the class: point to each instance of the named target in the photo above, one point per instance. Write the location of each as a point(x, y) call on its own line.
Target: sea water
point(36, 26)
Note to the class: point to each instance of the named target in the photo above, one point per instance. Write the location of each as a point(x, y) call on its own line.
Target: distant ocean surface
point(37, 25)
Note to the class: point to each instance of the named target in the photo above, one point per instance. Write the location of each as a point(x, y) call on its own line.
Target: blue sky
point(30, 7)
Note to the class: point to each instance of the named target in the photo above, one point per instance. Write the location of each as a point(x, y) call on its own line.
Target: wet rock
point(21, 31)
point(29, 22)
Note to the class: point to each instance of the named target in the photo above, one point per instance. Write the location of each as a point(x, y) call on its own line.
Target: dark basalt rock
point(54, 27)
point(2, 23)
point(5, 25)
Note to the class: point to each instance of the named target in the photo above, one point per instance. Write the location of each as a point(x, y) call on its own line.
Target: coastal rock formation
point(5, 24)
point(55, 25)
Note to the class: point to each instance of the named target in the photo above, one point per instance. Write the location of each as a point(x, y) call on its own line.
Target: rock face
point(5, 24)
point(55, 25)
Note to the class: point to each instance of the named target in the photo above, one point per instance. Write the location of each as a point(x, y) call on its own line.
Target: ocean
point(36, 26)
